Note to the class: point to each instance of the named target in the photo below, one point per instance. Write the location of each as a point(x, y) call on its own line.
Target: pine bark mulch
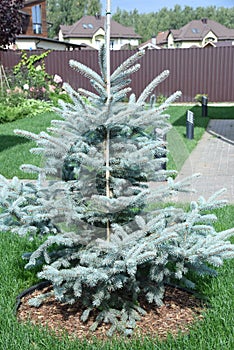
point(179, 311)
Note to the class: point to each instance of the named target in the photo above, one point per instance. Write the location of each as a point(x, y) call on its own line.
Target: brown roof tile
point(162, 37)
point(87, 26)
point(197, 29)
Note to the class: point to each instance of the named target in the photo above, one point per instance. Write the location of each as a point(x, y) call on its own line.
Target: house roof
point(149, 44)
point(39, 39)
point(198, 29)
point(23, 13)
point(219, 43)
point(29, 2)
point(162, 37)
point(223, 43)
point(87, 26)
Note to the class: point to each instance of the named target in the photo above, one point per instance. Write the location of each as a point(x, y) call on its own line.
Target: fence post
point(190, 125)
point(204, 106)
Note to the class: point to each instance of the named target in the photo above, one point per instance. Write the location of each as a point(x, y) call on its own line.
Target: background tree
point(10, 21)
point(93, 7)
point(68, 12)
point(148, 24)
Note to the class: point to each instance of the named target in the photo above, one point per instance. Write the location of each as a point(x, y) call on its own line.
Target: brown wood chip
point(179, 311)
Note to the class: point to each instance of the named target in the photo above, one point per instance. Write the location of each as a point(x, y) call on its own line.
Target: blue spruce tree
point(107, 244)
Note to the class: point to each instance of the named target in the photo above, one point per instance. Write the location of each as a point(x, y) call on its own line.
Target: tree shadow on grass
point(213, 112)
point(199, 121)
point(8, 141)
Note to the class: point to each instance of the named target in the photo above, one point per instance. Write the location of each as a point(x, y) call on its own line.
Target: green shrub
point(160, 99)
point(198, 97)
point(30, 75)
point(23, 108)
point(30, 79)
point(28, 87)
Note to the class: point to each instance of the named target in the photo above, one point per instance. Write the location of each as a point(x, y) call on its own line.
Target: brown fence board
point(209, 70)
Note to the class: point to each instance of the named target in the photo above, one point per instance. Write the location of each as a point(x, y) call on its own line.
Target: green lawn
point(214, 332)
point(179, 146)
point(15, 150)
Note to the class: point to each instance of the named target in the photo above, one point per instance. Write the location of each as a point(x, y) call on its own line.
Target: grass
point(214, 332)
point(15, 150)
point(179, 146)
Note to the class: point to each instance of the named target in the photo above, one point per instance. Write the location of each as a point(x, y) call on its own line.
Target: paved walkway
point(213, 158)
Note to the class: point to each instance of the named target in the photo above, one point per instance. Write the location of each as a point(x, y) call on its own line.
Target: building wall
point(209, 37)
point(79, 41)
point(170, 41)
point(27, 44)
point(95, 42)
point(98, 38)
point(119, 43)
point(187, 44)
point(28, 9)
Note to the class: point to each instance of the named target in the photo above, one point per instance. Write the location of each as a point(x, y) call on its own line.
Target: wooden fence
point(193, 71)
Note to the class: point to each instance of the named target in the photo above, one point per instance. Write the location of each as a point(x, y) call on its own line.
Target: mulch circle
point(180, 310)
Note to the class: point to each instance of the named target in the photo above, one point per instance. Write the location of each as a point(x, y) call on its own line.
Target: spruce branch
point(89, 94)
point(148, 90)
point(124, 75)
point(87, 72)
point(102, 61)
point(126, 64)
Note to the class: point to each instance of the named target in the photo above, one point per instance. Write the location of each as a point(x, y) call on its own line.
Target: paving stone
point(213, 158)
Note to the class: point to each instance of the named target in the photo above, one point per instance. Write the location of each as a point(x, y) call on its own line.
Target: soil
point(179, 311)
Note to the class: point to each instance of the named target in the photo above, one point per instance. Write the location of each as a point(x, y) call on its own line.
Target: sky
point(144, 6)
